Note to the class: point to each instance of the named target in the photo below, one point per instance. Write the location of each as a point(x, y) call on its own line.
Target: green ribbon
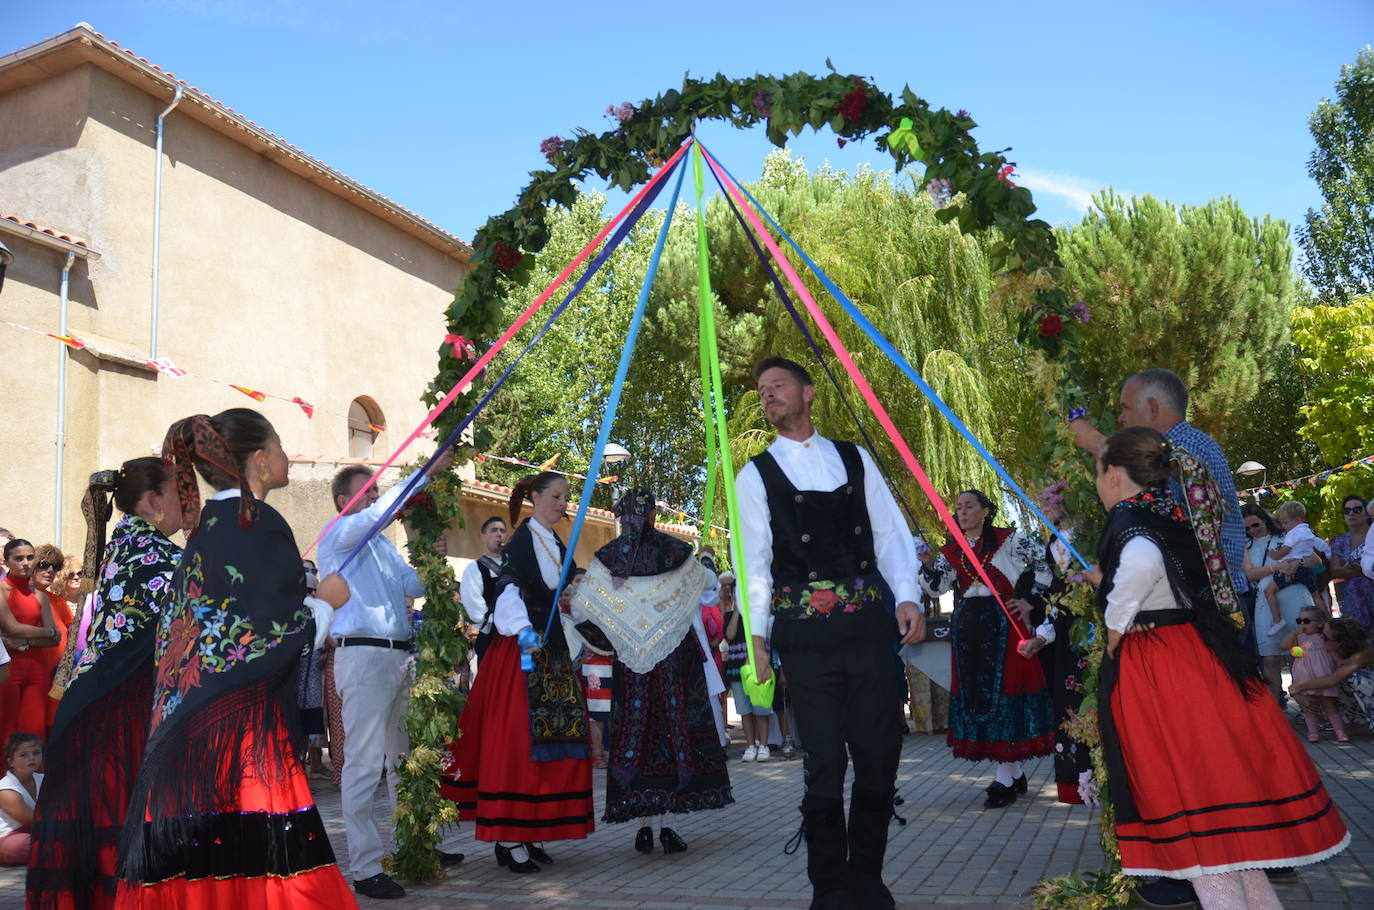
point(714, 402)
point(903, 139)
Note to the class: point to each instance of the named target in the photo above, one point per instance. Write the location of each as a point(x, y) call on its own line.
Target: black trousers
point(842, 701)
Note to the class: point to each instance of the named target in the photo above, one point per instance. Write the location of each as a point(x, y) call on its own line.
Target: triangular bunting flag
point(69, 341)
point(251, 393)
point(305, 406)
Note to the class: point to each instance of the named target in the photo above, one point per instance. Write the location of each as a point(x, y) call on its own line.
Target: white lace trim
point(644, 617)
point(1284, 863)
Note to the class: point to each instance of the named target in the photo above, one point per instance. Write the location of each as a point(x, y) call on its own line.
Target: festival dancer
point(220, 814)
point(643, 593)
point(522, 765)
point(825, 548)
point(999, 705)
point(98, 736)
point(1209, 782)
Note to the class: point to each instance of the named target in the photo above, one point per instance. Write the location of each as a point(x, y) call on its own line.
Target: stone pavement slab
point(952, 852)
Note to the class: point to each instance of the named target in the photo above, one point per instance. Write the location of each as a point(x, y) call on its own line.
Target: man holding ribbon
point(372, 637)
point(825, 551)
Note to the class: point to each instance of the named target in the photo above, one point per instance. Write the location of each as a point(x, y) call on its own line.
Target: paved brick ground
point(952, 852)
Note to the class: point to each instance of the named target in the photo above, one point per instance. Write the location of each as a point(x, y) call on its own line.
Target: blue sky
point(441, 106)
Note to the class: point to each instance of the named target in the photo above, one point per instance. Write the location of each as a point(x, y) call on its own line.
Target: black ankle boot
point(644, 840)
point(869, 817)
point(538, 854)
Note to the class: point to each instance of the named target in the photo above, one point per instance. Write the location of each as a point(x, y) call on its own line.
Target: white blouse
point(10, 782)
point(511, 612)
point(1017, 554)
point(1140, 584)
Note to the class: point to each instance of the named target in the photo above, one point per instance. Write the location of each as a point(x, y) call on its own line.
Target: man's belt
point(391, 644)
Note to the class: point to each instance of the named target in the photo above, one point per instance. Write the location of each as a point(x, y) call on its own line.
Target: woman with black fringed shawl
point(641, 600)
point(97, 739)
point(522, 765)
point(221, 814)
point(1209, 781)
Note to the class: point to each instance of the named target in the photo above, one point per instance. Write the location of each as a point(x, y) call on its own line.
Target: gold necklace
point(557, 560)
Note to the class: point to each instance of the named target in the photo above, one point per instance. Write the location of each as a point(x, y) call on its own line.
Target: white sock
point(1015, 769)
point(518, 853)
point(1004, 775)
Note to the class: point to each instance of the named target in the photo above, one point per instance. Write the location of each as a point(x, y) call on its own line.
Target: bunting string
point(1272, 489)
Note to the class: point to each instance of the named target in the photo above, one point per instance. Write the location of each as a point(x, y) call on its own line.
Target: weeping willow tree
point(925, 285)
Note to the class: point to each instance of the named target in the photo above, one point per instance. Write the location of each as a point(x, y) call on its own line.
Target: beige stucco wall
point(267, 280)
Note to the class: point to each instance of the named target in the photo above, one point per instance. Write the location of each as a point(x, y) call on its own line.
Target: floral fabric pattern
point(1357, 599)
point(824, 598)
point(201, 635)
point(133, 581)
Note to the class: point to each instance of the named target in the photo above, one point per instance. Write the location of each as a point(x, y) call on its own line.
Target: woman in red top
point(27, 623)
point(54, 584)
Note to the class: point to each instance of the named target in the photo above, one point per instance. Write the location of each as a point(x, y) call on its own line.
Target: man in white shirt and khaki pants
point(371, 633)
point(827, 552)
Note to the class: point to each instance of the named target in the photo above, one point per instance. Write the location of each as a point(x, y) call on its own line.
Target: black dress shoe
point(1021, 784)
point(503, 858)
point(1166, 892)
point(999, 796)
point(644, 840)
point(379, 887)
point(671, 842)
point(449, 859)
point(1282, 874)
point(538, 854)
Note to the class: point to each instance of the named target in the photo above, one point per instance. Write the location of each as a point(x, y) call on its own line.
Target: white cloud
point(1076, 191)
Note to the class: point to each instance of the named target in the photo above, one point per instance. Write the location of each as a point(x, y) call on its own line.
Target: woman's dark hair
point(244, 431)
point(526, 487)
point(1350, 637)
point(15, 544)
point(18, 739)
point(1255, 510)
point(219, 448)
point(122, 489)
point(1368, 518)
point(986, 539)
point(1142, 452)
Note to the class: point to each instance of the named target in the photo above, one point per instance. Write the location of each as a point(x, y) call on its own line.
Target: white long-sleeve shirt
point(379, 578)
point(473, 593)
point(511, 613)
point(815, 464)
point(1140, 584)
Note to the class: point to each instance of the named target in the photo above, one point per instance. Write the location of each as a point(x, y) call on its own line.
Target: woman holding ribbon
point(220, 813)
point(642, 597)
point(98, 736)
point(1208, 780)
point(522, 764)
point(999, 704)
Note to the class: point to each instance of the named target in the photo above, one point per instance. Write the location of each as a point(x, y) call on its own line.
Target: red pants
point(24, 696)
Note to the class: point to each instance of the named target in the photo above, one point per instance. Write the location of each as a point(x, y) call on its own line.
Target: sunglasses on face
point(1254, 527)
point(41, 566)
point(1304, 622)
point(1353, 510)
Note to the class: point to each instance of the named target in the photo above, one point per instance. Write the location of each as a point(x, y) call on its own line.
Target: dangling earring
point(159, 517)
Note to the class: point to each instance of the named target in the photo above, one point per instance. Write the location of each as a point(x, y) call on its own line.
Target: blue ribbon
point(820, 355)
point(413, 482)
point(622, 369)
point(896, 357)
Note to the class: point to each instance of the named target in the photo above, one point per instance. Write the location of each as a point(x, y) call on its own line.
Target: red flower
point(420, 502)
point(1051, 327)
point(1005, 173)
point(851, 106)
point(824, 601)
point(505, 257)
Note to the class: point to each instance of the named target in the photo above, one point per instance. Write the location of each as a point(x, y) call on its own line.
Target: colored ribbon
point(649, 188)
point(870, 398)
point(412, 483)
point(896, 357)
point(622, 370)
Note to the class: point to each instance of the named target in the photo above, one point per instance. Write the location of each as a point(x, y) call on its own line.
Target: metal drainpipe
point(61, 399)
point(157, 216)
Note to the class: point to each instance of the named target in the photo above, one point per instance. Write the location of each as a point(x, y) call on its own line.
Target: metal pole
point(157, 218)
point(61, 401)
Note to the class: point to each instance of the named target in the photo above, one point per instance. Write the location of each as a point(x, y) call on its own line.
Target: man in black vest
point(826, 551)
point(478, 585)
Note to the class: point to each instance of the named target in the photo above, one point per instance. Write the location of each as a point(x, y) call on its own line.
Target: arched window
point(365, 424)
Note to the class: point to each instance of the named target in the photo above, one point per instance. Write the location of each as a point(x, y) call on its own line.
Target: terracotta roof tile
point(53, 232)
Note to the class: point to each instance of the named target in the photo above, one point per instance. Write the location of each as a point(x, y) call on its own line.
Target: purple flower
point(550, 147)
point(624, 113)
point(1076, 578)
point(761, 101)
point(1077, 413)
point(941, 191)
point(1079, 310)
point(237, 654)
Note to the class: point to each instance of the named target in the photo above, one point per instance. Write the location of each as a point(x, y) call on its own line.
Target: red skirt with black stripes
point(491, 776)
point(1221, 782)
